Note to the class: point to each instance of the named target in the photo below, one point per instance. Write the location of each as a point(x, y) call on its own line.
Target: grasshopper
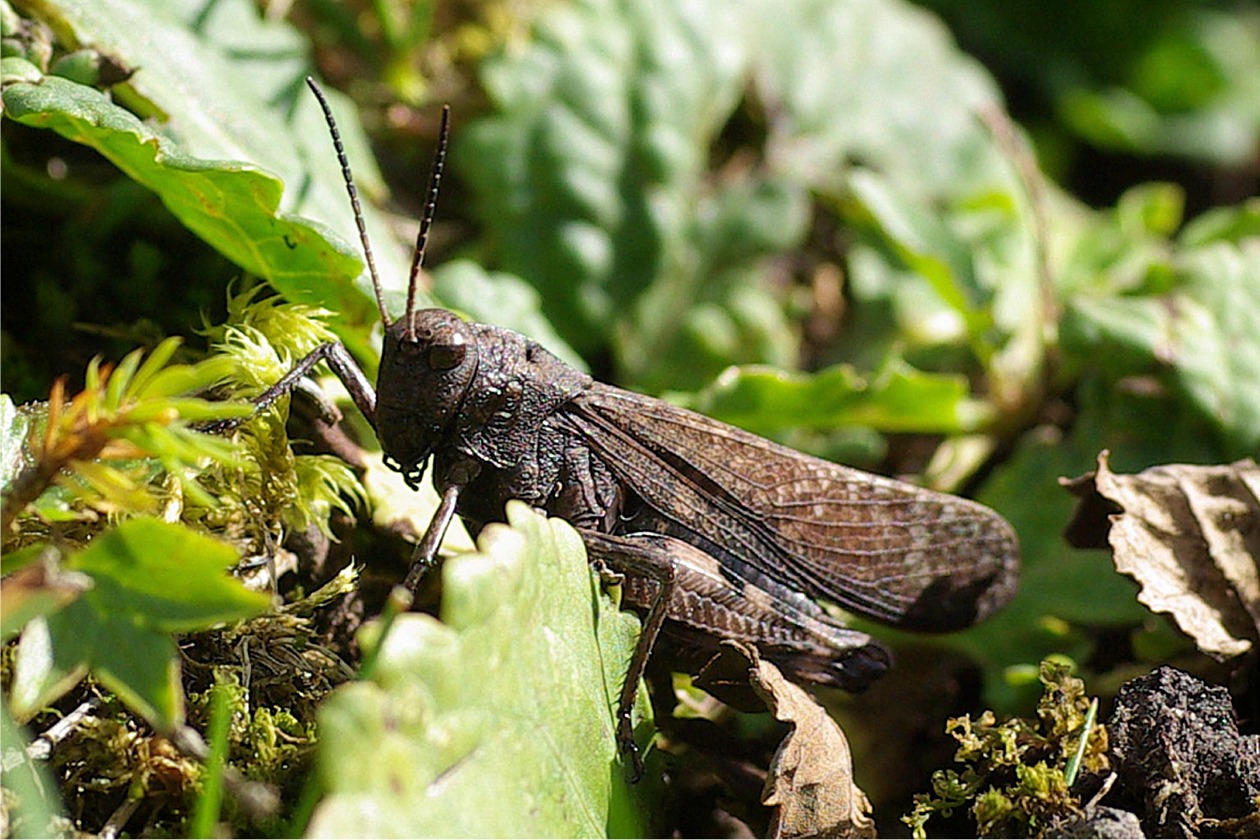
point(716, 533)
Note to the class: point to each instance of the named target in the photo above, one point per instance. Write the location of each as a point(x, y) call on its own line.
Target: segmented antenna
point(354, 202)
point(426, 220)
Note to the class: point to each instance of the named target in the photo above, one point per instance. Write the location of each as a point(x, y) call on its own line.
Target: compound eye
point(449, 354)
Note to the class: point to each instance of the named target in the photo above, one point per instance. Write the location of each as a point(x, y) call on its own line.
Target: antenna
point(426, 220)
point(354, 202)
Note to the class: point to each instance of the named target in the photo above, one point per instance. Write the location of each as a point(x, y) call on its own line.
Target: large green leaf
point(879, 82)
point(496, 721)
point(897, 399)
point(596, 182)
point(591, 182)
point(150, 579)
point(1187, 319)
point(241, 157)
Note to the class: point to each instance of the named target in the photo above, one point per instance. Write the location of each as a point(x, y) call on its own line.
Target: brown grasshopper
point(717, 533)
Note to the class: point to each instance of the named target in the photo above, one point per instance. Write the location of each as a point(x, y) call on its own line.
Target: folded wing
point(888, 550)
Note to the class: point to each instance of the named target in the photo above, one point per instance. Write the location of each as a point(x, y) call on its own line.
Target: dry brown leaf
point(809, 784)
point(1190, 536)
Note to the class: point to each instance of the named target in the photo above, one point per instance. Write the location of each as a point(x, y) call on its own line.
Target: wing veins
point(861, 595)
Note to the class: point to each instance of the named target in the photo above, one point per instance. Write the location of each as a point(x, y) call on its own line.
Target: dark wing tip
point(968, 596)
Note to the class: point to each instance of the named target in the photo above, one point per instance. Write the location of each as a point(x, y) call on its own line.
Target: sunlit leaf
point(229, 146)
point(14, 426)
point(897, 399)
point(149, 579)
point(1198, 336)
point(498, 720)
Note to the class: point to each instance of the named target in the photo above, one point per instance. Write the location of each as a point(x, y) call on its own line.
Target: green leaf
point(136, 565)
point(14, 426)
point(947, 251)
point(233, 206)
point(591, 178)
point(32, 806)
point(897, 399)
point(598, 182)
point(876, 111)
point(1229, 224)
point(138, 664)
point(1151, 209)
point(1200, 336)
point(153, 364)
point(836, 74)
point(496, 722)
point(494, 297)
point(150, 579)
point(916, 240)
point(243, 158)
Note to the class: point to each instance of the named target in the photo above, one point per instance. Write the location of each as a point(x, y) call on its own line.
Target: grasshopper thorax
point(428, 363)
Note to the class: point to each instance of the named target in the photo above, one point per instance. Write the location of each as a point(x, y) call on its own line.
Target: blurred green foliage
point(815, 220)
point(1169, 78)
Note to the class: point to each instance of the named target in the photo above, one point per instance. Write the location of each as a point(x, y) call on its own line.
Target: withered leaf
point(1190, 536)
point(809, 784)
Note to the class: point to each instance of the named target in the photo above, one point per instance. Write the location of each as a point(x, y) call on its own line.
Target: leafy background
point(974, 243)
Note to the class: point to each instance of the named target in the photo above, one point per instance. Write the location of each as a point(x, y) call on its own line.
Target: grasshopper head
point(428, 362)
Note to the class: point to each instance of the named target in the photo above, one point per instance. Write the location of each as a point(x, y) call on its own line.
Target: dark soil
point(1181, 764)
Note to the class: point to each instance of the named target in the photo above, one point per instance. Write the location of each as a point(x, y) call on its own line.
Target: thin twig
point(41, 748)
point(119, 818)
point(1102, 792)
point(1030, 178)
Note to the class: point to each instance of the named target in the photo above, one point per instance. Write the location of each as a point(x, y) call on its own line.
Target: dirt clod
point(1181, 762)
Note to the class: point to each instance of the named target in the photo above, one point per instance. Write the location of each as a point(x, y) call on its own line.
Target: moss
point(1016, 779)
point(102, 456)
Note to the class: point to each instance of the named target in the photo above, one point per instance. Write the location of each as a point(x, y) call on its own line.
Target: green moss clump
point(1018, 777)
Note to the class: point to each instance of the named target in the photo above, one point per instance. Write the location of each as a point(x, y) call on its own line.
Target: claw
point(625, 741)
